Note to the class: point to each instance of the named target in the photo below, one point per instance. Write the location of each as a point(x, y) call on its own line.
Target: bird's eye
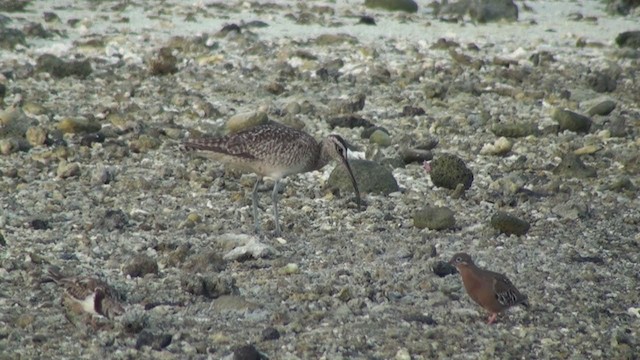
point(459, 259)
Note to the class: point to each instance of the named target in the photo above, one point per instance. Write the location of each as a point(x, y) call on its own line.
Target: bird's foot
point(492, 319)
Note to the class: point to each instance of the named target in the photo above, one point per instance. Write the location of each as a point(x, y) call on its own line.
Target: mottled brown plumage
point(491, 290)
point(87, 294)
point(276, 151)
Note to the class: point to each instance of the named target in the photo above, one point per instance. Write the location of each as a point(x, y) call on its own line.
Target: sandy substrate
point(339, 284)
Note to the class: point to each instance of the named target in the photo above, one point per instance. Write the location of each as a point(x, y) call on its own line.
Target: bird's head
point(461, 260)
point(335, 147)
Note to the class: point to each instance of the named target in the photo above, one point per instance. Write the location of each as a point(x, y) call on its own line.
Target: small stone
point(415, 155)
point(275, 88)
point(36, 136)
point(347, 106)
point(246, 120)
point(67, 170)
point(448, 171)
point(289, 269)
point(246, 352)
point(112, 220)
point(568, 120)
point(78, 125)
point(270, 333)
point(434, 218)
point(164, 63)
point(603, 108)
point(509, 224)
point(140, 265)
point(629, 39)
point(443, 268)
point(392, 5)
point(156, 342)
point(514, 130)
point(39, 224)
point(500, 147)
point(59, 68)
point(485, 11)
point(90, 139)
point(572, 166)
point(380, 138)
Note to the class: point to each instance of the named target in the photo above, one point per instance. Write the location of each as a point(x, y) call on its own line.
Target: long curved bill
point(345, 162)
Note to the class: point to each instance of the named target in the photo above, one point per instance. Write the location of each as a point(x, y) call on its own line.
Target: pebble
point(568, 120)
point(434, 218)
point(448, 171)
point(509, 224)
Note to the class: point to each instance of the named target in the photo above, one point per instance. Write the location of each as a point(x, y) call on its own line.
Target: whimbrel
point(276, 151)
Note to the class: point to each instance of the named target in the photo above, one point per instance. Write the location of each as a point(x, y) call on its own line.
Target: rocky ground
point(544, 112)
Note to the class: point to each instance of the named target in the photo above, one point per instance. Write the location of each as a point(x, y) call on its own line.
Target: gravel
point(92, 180)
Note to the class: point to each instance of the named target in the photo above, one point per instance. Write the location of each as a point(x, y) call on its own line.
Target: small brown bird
point(276, 151)
point(491, 290)
point(87, 295)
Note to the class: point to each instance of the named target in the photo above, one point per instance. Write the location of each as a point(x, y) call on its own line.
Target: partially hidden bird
point(274, 150)
point(491, 290)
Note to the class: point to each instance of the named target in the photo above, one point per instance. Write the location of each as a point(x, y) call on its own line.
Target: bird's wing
point(506, 293)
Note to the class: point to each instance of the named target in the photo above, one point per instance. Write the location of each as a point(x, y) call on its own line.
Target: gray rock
point(493, 10)
point(370, 176)
point(509, 224)
point(415, 155)
point(604, 107)
point(568, 120)
point(10, 38)
point(515, 130)
point(67, 170)
point(392, 5)
point(448, 171)
point(434, 218)
point(59, 68)
point(572, 166)
point(348, 106)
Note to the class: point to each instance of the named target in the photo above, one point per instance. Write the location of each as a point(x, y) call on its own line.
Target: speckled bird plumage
point(276, 151)
point(491, 290)
point(87, 294)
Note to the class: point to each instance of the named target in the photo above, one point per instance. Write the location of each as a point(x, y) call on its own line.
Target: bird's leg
point(254, 203)
point(274, 197)
point(492, 318)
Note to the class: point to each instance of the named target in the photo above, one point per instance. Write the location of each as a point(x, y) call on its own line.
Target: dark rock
point(13, 5)
point(10, 38)
point(493, 10)
point(246, 352)
point(140, 265)
point(568, 120)
point(415, 155)
point(59, 68)
point(270, 333)
point(90, 139)
point(443, 268)
point(602, 108)
point(434, 218)
point(229, 28)
point(419, 318)
point(572, 166)
point(113, 220)
point(412, 111)
point(36, 30)
point(164, 63)
point(448, 171)
point(275, 88)
point(367, 20)
point(509, 224)
point(156, 342)
point(587, 259)
point(370, 176)
point(618, 127)
point(392, 5)
point(349, 121)
point(629, 39)
point(39, 224)
point(50, 16)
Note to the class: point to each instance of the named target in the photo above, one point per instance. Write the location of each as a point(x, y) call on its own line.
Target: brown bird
point(491, 290)
point(276, 151)
point(86, 294)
